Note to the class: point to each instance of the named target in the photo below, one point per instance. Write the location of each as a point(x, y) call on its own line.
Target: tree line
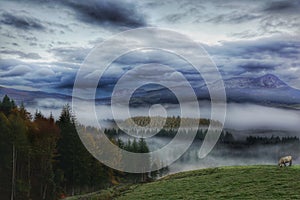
point(225, 137)
point(44, 158)
point(271, 140)
point(169, 122)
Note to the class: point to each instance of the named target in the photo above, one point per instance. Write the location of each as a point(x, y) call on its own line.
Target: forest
point(44, 158)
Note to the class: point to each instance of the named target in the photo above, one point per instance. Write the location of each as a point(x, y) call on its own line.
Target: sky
point(43, 43)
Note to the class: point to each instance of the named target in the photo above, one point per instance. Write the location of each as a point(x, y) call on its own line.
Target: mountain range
point(265, 90)
point(31, 97)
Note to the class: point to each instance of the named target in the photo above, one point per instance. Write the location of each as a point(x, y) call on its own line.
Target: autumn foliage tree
point(41, 158)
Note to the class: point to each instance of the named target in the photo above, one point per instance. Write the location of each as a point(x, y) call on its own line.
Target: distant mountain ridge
point(265, 90)
point(29, 97)
point(266, 81)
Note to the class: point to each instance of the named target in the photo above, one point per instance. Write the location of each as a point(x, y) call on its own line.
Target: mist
point(239, 116)
point(222, 154)
point(227, 156)
point(241, 119)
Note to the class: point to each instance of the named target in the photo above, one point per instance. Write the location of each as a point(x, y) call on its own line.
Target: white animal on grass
point(287, 159)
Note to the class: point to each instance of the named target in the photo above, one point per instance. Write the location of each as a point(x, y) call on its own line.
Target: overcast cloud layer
point(43, 43)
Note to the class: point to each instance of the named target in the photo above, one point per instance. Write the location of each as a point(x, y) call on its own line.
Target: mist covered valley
point(242, 120)
point(229, 151)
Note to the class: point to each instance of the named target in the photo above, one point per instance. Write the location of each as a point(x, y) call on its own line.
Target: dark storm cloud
point(271, 55)
point(256, 66)
point(283, 6)
point(233, 58)
point(21, 22)
point(107, 12)
point(67, 81)
point(21, 54)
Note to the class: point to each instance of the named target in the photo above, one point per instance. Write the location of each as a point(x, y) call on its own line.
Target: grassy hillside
point(246, 182)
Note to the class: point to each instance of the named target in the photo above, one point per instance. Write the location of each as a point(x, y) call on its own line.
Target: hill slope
point(247, 182)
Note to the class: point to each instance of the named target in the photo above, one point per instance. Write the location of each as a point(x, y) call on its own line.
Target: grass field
point(245, 182)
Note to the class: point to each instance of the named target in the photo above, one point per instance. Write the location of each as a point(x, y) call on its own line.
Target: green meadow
point(237, 182)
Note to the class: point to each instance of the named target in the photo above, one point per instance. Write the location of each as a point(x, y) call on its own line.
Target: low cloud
point(249, 116)
point(233, 18)
point(41, 76)
point(18, 70)
point(22, 22)
point(21, 54)
point(257, 66)
point(70, 54)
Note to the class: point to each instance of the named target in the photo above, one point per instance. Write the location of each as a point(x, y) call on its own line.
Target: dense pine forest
point(44, 158)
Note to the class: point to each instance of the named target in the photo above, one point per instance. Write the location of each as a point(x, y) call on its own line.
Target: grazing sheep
point(287, 159)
